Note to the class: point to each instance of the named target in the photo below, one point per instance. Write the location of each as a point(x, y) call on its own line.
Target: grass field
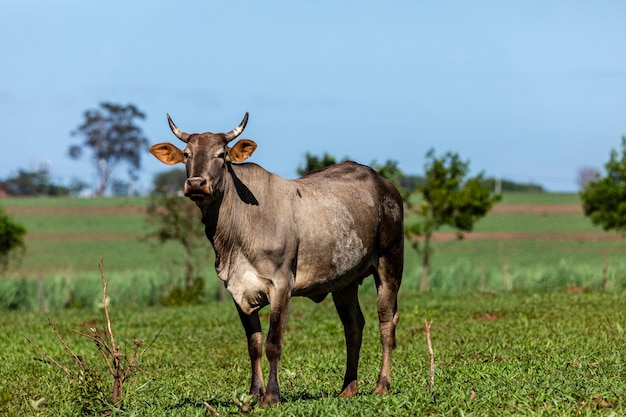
point(518, 353)
point(529, 241)
point(527, 320)
point(71, 234)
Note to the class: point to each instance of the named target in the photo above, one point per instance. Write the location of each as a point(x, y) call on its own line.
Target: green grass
point(540, 198)
point(517, 353)
point(535, 223)
point(70, 202)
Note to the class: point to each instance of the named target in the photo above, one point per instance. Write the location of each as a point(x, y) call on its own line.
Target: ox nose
point(197, 188)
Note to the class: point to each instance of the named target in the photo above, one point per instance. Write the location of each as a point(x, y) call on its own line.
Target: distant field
point(531, 233)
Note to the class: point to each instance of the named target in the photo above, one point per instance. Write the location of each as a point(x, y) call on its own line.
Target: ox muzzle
point(197, 188)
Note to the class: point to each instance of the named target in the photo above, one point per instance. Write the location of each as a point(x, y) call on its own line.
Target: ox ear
point(242, 150)
point(167, 153)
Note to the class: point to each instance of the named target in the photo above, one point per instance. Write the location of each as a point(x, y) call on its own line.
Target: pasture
point(528, 242)
point(527, 311)
point(551, 353)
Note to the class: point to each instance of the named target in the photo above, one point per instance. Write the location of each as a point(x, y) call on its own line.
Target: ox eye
point(220, 155)
point(186, 154)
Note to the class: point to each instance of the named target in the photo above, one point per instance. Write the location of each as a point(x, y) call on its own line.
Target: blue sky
point(524, 90)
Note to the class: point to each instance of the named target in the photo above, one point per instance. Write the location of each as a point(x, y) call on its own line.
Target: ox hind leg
point(252, 326)
point(347, 305)
point(388, 278)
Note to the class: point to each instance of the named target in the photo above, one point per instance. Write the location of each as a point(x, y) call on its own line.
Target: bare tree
point(586, 175)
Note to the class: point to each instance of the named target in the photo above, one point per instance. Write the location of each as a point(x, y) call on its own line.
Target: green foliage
point(313, 163)
point(11, 240)
point(176, 219)
point(170, 182)
point(190, 294)
point(604, 199)
point(89, 392)
point(112, 136)
point(37, 182)
point(447, 197)
point(244, 402)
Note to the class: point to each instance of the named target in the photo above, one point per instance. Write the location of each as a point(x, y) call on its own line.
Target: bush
point(191, 294)
point(11, 240)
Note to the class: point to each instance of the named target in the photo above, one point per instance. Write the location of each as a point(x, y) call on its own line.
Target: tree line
point(110, 137)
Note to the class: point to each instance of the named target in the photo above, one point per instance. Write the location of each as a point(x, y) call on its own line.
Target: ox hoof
point(382, 389)
point(269, 400)
point(350, 390)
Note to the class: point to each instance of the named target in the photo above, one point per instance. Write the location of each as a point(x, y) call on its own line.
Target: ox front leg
point(252, 326)
point(280, 305)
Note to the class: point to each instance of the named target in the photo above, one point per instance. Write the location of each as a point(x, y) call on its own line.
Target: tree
point(11, 240)
point(113, 138)
point(447, 198)
point(170, 182)
point(313, 163)
point(604, 199)
point(175, 219)
point(30, 183)
point(586, 175)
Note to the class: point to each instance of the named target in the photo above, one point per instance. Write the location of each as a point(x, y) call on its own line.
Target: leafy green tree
point(11, 240)
point(313, 162)
point(447, 197)
point(175, 219)
point(604, 198)
point(113, 137)
point(170, 182)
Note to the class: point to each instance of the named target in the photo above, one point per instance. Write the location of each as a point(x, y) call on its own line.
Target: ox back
point(276, 238)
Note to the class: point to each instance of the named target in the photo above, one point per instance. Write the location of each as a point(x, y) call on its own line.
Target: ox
point(276, 238)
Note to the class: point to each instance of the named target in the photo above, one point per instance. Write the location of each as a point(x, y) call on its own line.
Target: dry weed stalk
point(431, 353)
point(211, 409)
point(120, 365)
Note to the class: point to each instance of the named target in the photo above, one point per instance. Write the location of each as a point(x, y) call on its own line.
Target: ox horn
point(176, 131)
point(237, 131)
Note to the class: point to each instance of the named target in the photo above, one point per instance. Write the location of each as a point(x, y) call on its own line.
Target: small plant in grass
point(191, 294)
point(244, 402)
point(89, 384)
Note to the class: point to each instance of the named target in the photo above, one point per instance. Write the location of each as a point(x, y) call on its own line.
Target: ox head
point(206, 157)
